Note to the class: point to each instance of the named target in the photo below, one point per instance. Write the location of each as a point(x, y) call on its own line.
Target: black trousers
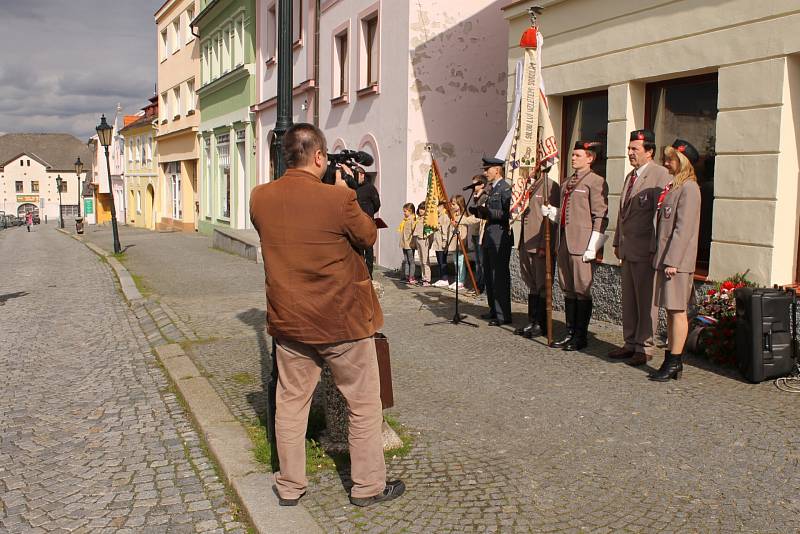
point(497, 276)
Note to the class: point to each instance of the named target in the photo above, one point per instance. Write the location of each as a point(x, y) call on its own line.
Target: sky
point(64, 62)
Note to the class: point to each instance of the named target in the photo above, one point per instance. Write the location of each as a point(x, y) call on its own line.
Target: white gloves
point(596, 242)
point(550, 212)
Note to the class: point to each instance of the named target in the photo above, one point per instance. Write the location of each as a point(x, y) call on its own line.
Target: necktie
point(632, 181)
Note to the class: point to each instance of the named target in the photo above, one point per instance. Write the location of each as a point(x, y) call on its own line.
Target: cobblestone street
point(510, 435)
point(92, 438)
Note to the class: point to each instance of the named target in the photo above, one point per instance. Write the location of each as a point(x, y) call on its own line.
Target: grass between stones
point(317, 460)
point(243, 378)
point(140, 285)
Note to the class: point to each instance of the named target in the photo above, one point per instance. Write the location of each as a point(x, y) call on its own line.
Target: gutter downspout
point(317, 16)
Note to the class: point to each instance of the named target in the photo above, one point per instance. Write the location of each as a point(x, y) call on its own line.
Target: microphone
point(471, 186)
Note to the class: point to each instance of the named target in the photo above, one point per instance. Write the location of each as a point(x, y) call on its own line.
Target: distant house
point(29, 166)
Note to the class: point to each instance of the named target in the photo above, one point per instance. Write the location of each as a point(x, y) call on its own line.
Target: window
point(207, 177)
point(29, 163)
point(64, 186)
point(34, 186)
point(687, 108)
point(190, 97)
point(206, 71)
point(164, 45)
point(18, 185)
point(176, 102)
point(189, 18)
point(130, 151)
point(585, 118)
point(149, 150)
point(163, 108)
point(370, 52)
point(226, 51)
point(138, 202)
point(215, 56)
point(224, 162)
point(272, 32)
point(238, 47)
point(176, 35)
point(297, 20)
point(341, 67)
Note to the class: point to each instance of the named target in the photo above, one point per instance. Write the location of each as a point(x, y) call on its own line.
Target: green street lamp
point(59, 182)
point(104, 134)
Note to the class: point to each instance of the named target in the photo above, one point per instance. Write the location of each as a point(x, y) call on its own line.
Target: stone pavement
point(92, 438)
point(510, 435)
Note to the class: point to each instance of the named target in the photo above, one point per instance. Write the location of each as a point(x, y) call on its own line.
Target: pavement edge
point(225, 438)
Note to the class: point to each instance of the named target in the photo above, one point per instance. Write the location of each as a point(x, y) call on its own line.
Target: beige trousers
point(574, 275)
point(639, 315)
point(532, 268)
point(423, 250)
point(354, 365)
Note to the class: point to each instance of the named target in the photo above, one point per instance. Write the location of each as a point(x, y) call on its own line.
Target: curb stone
point(226, 438)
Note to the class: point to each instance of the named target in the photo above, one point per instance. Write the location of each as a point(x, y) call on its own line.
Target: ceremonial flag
point(530, 144)
point(434, 195)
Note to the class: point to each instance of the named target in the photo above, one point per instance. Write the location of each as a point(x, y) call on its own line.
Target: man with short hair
point(582, 220)
point(634, 242)
point(497, 241)
point(320, 307)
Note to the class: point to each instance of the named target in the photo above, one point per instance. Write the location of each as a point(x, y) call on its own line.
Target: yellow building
point(142, 184)
point(178, 118)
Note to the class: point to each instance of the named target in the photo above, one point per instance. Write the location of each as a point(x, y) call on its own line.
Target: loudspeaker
point(764, 334)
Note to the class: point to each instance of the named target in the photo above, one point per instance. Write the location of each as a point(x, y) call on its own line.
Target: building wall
point(177, 138)
point(46, 198)
point(755, 211)
point(225, 101)
point(142, 207)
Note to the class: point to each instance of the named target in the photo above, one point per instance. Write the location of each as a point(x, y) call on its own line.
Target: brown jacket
point(677, 227)
point(318, 288)
point(586, 211)
point(635, 233)
point(533, 229)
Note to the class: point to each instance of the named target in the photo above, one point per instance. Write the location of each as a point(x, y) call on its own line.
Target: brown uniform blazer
point(634, 237)
point(532, 238)
point(586, 211)
point(677, 228)
point(318, 288)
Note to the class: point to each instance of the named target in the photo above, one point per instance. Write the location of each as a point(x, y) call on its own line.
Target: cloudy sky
point(64, 62)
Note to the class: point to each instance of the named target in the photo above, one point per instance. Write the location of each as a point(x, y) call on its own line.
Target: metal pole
point(79, 196)
point(285, 82)
point(114, 230)
point(60, 210)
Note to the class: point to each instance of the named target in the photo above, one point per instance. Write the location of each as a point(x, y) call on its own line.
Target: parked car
point(36, 220)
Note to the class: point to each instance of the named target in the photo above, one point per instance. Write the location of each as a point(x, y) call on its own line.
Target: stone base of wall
point(244, 243)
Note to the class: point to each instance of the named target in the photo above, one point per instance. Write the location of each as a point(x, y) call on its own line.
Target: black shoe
point(583, 314)
point(570, 310)
point(671, 369)
point(525, 331)
point(286, 502)
point(536, 331)
point(393, 490)
point(498, 322)
point(575, 343)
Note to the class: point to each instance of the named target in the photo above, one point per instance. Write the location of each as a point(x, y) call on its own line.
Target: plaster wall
point(46, 198)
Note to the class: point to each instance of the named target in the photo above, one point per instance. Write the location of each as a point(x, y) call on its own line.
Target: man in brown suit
point(633, 245)
point(320, 307)
point(582, 221)
point(532, 259)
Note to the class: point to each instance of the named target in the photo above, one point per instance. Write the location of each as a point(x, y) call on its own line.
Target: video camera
point(352, 159)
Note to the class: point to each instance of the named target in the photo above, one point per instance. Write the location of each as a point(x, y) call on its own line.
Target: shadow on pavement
point(9, 296)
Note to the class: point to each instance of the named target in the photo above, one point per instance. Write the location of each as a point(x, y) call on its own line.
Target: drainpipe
point(317, 16)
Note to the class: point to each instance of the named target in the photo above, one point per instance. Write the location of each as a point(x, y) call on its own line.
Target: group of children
point(413, 240)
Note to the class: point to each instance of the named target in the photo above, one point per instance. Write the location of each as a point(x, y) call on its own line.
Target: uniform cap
point(643, 135)
point(686, 148)
point(492, 162)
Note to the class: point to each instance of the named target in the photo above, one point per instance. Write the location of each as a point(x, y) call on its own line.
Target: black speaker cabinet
point(763, 333)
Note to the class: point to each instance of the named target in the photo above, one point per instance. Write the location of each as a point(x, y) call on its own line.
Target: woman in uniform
point(677, 228)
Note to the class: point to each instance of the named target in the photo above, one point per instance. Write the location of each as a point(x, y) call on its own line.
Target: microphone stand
point(458, 318)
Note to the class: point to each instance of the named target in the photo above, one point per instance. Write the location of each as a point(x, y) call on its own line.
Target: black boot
point(570, 309)
point(539, 321)
point(672, 368)
point(525, 330)
point(584, 315)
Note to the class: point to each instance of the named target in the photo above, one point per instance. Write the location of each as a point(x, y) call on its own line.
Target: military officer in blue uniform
point(497, 240)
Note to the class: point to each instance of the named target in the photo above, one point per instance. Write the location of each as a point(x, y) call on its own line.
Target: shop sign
point(88, 206)
point(33, 199)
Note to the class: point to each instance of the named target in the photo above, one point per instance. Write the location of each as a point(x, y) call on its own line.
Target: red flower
point(727, 285)
point(711, 292)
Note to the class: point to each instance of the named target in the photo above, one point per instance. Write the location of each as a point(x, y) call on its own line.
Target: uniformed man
point(633, 245)
point(497, 240)
point(582, 220)
point(532, 253)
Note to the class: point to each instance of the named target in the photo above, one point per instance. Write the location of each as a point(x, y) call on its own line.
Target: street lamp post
point(104, 132)
point(284, 119)
point(59, 182)
point(78, 172)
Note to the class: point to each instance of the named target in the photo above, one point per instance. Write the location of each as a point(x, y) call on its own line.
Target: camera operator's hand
point(339, 179)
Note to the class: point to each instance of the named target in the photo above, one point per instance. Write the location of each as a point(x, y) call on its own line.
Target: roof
point(56, 150)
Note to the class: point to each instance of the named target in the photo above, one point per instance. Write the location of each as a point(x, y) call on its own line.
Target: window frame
point(706, 208)
point(340, 67)
point(369, 51)
point(19, 187)
point(272, 34)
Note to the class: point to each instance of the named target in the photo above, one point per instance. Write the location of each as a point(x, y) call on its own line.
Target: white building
point(29, 166)
point(99, 177)
point(393, 77)
point(722, 74)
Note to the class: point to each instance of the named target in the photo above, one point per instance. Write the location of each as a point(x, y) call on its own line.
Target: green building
point(227, 90)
